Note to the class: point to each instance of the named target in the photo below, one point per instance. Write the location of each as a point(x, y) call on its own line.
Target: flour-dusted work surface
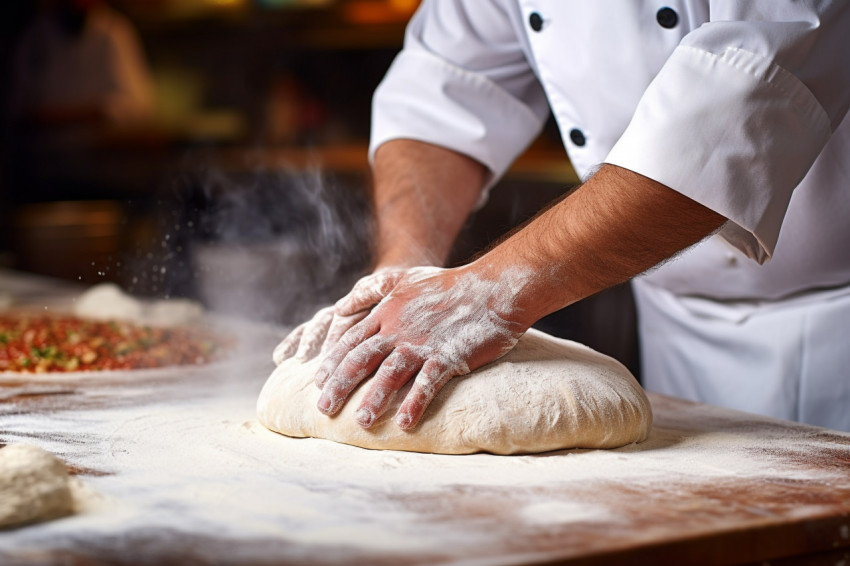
point(187, 474)
point(183, 473)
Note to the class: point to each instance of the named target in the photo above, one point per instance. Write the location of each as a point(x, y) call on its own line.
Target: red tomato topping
point(42, 343)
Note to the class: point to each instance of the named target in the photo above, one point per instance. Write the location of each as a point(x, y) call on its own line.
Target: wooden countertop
point(186, 475)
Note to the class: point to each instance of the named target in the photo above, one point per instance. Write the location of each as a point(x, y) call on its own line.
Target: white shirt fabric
point(739, 105)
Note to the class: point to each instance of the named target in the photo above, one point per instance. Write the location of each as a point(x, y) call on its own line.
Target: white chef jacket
point(737, 105)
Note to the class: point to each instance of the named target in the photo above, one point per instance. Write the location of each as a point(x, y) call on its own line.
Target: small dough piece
point(106, 301)
point(34, 486)
point(545, 394)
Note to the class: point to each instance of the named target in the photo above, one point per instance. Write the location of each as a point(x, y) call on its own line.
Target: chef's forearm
point(615, 226)
point(423, 195)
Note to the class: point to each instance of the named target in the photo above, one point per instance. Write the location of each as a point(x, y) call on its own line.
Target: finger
point(289, 345)
point(314, 335)
point(399, 368)
point(357, 365)
point(340, 326)
point(356, 335)
point(368, 292)
point(430, 379)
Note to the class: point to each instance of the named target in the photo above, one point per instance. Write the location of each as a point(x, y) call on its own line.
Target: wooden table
point(184, 474)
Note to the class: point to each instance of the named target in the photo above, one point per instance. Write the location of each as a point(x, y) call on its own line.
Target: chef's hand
point(431, 325)
point(309, 339)
point(323, 331)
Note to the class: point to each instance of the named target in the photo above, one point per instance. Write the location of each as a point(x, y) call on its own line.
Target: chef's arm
point(615, 226)
point(423, 194)
point(438, 324)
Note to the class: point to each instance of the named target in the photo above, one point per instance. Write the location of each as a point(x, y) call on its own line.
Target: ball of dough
point(545, 394)
point(33, 486)
point(106, 301)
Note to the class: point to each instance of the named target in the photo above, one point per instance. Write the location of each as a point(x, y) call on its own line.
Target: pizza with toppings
point(66, 343)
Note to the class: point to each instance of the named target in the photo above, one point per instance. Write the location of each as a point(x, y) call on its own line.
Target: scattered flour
point(556, 512)
point(184, 454)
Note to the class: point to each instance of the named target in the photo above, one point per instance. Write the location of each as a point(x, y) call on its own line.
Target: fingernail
point(324, 404)
point(403, 420)
point(364, 417)
point(319, 378)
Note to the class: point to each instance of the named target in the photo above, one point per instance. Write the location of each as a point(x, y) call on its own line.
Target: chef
point(711, 139)
point(81, 63)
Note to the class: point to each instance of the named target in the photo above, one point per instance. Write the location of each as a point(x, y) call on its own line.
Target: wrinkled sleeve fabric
point(741, 109)
point(463, 82)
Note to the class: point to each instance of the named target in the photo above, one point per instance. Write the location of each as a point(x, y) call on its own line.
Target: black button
point(667, 18)
point(535, 21)
point(577, 137)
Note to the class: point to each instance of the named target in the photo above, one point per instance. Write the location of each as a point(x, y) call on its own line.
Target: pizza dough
point(34, 486)
point(546, 394)
point(108, 301)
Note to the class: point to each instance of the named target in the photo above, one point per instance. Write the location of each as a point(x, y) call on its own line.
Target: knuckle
point(431, 379)
point(433, 369)
point(356, 375)
point(379, 397)
point(352, 338)
point(392, 364)
point(330, 363)
point(392, 378)
point(386, 286)
point(378, 344)
point(286, 344)
point(406, 352)
point(294, 336)
point(427, 386)
point(339, 385)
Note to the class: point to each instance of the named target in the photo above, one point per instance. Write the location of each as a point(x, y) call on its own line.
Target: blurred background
point(217, 150)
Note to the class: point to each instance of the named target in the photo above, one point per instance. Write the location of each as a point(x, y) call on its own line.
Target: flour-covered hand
point(371, 290)
point(431, 325)
point(315, 336)
point(323, 331)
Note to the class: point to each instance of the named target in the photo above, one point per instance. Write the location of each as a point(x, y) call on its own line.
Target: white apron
point(788, 359)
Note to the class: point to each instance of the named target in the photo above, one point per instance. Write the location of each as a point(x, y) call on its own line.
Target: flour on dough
point(33, 486)
point(545, 394)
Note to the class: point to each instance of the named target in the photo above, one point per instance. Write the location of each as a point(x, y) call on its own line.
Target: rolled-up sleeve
point(741, 110)
point(462, 82)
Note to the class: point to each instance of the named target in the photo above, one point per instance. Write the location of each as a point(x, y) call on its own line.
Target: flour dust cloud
point(266, 244)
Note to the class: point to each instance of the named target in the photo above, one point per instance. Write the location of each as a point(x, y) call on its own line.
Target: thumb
point(368, 292)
